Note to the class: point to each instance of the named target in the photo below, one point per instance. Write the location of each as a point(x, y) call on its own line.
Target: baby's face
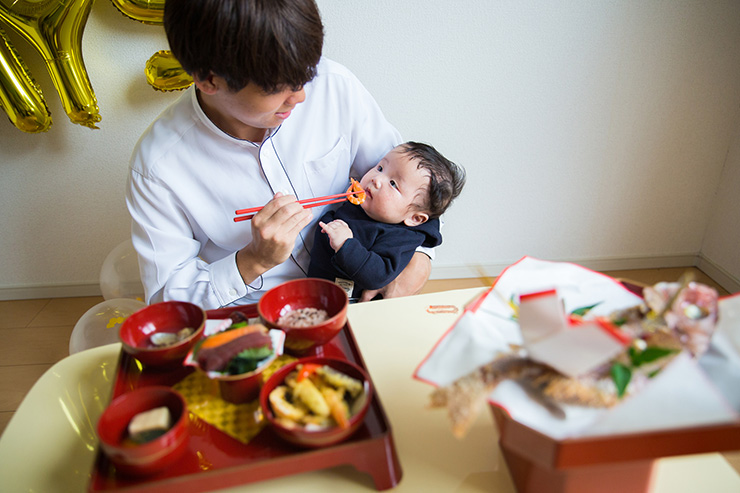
point(392, 186)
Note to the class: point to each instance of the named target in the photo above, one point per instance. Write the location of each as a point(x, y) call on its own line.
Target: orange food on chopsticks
point(358, 198)
point(228, 336)
point(308, 203)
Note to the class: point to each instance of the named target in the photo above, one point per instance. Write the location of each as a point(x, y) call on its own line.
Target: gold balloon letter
point(54, 28)
point(163, 71)
point(146, 11)
point(20, 97)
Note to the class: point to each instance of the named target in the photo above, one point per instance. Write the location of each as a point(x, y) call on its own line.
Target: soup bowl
point(140, 459)
point(169, 317)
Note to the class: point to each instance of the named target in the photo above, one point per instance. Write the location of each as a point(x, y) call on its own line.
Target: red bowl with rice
point(310, 311)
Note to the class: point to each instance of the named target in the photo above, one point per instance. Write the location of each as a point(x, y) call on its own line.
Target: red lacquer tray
point(215, 460)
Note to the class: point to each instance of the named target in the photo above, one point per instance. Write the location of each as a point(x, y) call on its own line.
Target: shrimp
point(358, 198)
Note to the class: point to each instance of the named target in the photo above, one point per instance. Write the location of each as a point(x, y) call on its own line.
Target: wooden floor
point(35, 333)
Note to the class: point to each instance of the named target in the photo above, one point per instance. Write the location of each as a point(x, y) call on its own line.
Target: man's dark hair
point(446, 179)
point(272, 43)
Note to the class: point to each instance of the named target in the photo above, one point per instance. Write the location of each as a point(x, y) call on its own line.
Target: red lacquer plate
point(216, 460)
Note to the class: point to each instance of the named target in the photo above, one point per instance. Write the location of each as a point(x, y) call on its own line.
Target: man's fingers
point(370, 294)
point(278, 202)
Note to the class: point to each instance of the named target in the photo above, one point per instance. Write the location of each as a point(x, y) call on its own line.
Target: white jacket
point(188, 177)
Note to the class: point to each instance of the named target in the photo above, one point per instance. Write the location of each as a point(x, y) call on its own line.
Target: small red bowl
point(305, 293)
point(153, 456)
point(169, 316)
point(244, 387)
point(301, 436)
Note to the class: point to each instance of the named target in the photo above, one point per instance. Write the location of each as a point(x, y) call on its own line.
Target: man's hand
point(274, 231)
point(408, 282)
point(338, 232)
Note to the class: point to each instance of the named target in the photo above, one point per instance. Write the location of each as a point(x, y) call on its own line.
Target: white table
point(50, 443)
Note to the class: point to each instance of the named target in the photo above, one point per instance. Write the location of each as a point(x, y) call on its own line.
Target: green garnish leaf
point(583, 310)
point(237, 325)
point(648, 355)
point(247, 360)
point(621, 375)
point(258, 353)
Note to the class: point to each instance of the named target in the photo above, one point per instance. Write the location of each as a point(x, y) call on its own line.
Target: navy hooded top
point(376, 254)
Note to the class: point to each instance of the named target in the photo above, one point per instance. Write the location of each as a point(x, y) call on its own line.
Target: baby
point(366, 246)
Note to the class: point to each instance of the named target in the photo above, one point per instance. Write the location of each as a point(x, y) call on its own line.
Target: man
point(268, 121)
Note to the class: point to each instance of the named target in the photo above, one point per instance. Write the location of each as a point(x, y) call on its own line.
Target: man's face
point(392, 186)
point(247, 113)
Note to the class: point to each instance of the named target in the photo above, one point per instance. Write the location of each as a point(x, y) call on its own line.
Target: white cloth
point(683, 394)
point(188, 177)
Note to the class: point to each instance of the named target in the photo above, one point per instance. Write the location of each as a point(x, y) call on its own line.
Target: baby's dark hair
point(446, 179)
point(272, 43)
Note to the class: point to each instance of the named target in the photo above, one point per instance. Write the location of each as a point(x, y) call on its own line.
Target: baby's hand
point(338, 232)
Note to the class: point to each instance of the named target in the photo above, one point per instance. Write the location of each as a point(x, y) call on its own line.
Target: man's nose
point(297, 97)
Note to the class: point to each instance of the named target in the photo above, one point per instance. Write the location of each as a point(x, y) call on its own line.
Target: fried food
point(306, 392)
point(284, 409)
point(317, 396)
point(339, 380)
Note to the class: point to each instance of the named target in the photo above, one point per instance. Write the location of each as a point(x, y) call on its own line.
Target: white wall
point(721, 248)
point(595, 132)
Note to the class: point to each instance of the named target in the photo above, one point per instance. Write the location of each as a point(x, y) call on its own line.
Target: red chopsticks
point(314, 202)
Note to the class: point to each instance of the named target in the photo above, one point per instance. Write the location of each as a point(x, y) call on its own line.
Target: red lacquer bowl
point(243, 387)
point(305, 293)
point(153, 456)
point(169, 316)
point(299, 435)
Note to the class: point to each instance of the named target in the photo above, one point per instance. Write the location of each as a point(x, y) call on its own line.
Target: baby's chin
point(364, 204)
point(370, 212)
point(376, 217)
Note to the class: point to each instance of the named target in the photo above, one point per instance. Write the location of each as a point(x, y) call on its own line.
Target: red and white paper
point(686, 393)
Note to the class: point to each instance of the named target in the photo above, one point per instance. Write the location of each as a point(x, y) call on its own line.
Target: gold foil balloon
point(54, 28)
point(146, 11)
point(20, 96)
point(164, 73)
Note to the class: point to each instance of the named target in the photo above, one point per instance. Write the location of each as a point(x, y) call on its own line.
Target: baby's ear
point(416, 218)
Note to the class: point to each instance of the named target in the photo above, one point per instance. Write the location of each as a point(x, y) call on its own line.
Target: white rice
point(303, 317)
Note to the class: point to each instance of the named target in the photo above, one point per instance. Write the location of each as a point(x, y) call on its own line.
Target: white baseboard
point(49, 291)
point(720, 275)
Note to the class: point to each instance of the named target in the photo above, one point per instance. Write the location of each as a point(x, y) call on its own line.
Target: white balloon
point(100, 324)
point(119, 275)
